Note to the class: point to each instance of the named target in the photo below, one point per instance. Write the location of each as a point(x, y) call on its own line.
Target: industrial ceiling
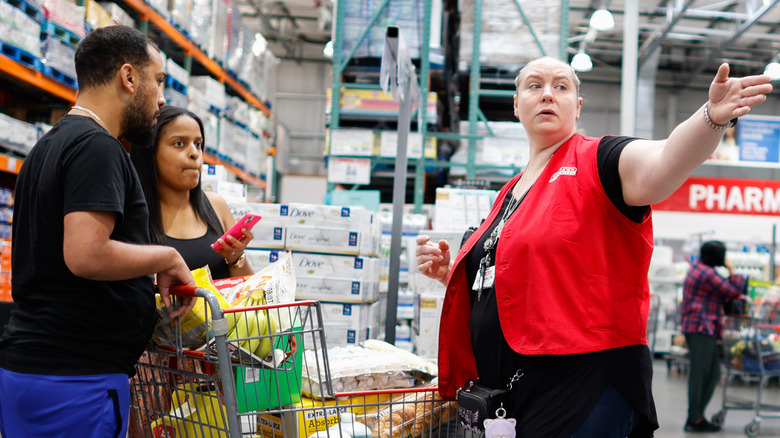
point(686, 39)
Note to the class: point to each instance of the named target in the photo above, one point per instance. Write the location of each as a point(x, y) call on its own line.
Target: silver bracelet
point(712, 124)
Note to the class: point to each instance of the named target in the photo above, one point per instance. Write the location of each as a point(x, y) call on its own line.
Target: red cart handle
point(183, 291)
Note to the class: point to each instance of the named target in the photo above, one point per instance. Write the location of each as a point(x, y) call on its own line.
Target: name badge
point(490, 276)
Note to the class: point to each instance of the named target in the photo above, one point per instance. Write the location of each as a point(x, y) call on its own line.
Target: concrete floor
point(671, 398)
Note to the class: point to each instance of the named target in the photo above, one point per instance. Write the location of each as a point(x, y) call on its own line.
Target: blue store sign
point(758, 138)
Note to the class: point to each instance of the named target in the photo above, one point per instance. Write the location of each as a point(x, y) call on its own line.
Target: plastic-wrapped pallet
point(218, 45)
point(19, 30)
point(255, 157)
point(258, 122)
point(196, 102)
point(119, 15)
point(261, 83)
point(177, 72)
point(213, 89)
point(505, 37)
point(247, 62)
point(237, 109)
point(67, 14)
point(503, 143)
point(96, 16)
point(58, 55)
point(17, 132)
point(181, 13)
point(236, 36)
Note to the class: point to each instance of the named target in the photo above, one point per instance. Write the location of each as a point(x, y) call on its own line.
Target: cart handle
point(183, 291)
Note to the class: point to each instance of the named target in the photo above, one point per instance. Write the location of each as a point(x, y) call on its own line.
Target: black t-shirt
point(557, 393)
point(64, 324)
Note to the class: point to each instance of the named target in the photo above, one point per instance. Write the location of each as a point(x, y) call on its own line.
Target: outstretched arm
point(650, 171)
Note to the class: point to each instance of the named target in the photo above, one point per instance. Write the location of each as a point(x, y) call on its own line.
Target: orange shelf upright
point(148, 13)
point(10, 164)
point(210, 159)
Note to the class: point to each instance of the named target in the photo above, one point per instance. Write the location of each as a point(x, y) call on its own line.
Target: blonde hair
point(549, 60)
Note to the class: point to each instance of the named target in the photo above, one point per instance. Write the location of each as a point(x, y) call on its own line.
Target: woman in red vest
point(552, 287)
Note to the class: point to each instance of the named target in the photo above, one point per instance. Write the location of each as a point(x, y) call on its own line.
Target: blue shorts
point(34, 405)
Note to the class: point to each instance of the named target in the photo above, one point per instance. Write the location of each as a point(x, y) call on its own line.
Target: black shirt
point(557, 393)
point(64, 324)
point(198, 253)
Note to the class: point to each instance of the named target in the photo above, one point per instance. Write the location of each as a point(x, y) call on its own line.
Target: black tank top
point(197, 253)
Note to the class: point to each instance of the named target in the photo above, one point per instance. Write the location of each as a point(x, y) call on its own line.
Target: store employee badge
point(490, 276)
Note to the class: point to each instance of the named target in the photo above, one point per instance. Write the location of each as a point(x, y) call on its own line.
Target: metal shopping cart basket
point(652, 322)
point(748, 355)
point(232, 387)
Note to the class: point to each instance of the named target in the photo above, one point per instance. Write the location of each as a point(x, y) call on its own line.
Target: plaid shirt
point(704, 291)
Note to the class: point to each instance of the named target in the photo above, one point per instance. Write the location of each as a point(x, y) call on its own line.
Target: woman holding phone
point(181, 214)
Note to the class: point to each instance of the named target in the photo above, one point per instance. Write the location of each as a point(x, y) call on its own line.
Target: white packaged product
point(358, 368)
point(270, 231)
point(335, 289)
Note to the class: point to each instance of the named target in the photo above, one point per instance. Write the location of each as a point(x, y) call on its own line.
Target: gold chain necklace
point(91, 113)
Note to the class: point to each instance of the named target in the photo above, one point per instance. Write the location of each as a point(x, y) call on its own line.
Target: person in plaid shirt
point(704, 292)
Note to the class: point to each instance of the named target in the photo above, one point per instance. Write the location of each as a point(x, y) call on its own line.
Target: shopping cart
point(748, 356)
point(226, 389)
point(652, 322)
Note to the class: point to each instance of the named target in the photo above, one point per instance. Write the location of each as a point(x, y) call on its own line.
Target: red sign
point(725, 195)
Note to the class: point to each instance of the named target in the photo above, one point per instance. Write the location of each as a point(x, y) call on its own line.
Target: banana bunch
point(252, 328)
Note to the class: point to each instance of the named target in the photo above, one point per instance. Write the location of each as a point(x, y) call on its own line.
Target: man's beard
point(137, 128)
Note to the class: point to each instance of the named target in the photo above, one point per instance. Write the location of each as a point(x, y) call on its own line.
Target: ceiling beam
point(655, 41)
point(766, 7)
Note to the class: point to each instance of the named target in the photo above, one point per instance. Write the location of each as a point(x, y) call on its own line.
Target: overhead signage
point(725, 195)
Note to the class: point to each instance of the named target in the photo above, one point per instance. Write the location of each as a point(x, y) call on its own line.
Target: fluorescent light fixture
point(582, 62)
point(259, 45)
point(328, 50)
point(602, 20)
point(773, 70)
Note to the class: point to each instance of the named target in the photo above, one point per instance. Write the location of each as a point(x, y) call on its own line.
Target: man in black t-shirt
point(82, 262)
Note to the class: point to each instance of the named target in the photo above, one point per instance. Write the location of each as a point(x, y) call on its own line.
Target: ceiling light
point(259, 45)
point(602, 20)
point(582, 62)
point(328, 50)
point(773, 70)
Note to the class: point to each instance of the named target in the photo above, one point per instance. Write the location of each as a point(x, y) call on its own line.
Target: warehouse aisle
point(670, 392)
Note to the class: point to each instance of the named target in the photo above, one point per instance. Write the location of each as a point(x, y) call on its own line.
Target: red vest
point(571, 271)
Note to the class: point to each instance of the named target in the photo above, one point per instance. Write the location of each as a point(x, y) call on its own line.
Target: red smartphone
point(247, 221)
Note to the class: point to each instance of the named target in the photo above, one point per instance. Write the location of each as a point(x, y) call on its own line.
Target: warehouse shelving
point(18, 71)
point(148, 14)
point(35, 78)
point(341, 60)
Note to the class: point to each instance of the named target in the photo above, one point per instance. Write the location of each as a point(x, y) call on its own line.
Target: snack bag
point(194, 324)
